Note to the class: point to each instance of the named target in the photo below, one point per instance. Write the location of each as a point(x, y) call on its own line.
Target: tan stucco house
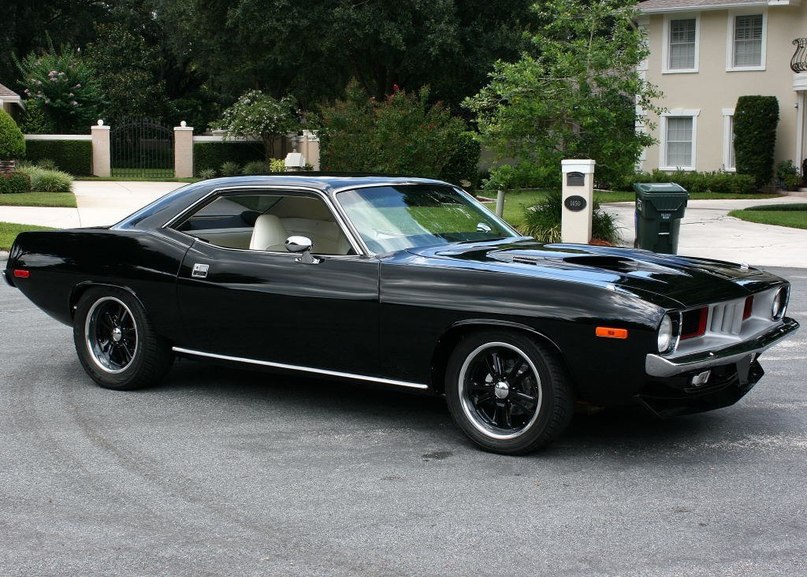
point(704, 54)
point(10, 101)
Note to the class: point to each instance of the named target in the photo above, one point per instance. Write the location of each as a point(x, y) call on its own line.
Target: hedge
point(14, 183)
point(719, 182)
point(211, 155)
point(71, 156)
point(755, 120)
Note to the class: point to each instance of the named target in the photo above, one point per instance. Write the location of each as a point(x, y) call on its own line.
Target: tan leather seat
point(268, 234)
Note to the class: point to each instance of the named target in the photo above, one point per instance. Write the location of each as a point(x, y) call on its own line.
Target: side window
point(264, 220)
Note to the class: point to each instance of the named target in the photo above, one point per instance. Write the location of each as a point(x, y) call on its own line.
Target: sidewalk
point(706, 230)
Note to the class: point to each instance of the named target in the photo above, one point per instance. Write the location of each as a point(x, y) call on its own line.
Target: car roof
point(172, 204)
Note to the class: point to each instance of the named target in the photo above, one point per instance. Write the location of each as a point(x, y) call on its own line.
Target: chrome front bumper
point(658, 366)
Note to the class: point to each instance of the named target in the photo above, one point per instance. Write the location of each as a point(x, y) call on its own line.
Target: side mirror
point(301, 244)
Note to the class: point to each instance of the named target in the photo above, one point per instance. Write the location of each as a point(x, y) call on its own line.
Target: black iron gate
point(142, 148)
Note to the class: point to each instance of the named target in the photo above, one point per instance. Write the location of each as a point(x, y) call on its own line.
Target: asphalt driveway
point(227, 472)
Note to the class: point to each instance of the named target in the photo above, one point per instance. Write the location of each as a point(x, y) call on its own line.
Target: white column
point(578, 200)
point(183, 151)
point(101, 151)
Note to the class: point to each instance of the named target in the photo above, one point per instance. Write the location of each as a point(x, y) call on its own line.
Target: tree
point(755, 120)
point(312, 49)
point(259, 115)
point(573, 95)
point(63, 89)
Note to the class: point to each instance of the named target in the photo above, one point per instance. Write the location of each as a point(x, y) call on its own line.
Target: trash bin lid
point(654, 187)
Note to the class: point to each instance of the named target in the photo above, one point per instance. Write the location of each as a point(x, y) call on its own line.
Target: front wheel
point(507, 392)
point(115, 341)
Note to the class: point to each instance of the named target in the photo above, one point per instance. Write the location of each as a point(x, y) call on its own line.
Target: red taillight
point(749, 308)
point(21, 273)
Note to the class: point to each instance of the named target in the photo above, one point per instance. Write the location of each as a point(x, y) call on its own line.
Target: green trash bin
point(659, 210)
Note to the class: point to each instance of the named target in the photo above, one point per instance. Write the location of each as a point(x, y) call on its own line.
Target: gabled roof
point(7, 93)
point(661, 6)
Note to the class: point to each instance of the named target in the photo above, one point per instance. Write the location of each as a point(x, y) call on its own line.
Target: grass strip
point(53, 199)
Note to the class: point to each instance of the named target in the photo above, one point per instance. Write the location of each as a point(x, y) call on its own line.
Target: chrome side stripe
point(302, 369)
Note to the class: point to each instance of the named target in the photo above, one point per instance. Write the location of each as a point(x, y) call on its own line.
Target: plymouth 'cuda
point(403, 282)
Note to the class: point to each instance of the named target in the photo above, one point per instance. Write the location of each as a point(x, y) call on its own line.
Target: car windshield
point(391, 218)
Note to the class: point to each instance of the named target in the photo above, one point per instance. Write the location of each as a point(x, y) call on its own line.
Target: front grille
point(726, 318)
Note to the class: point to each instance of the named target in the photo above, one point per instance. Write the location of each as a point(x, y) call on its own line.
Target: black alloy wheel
point(507, 392)
point(115, 341)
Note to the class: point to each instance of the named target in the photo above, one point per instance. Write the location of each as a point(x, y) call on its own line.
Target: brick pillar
point(101, 150)
point(309, 146)
point(183, 151)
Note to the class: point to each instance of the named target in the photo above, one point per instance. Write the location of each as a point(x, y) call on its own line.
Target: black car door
point(269, 306)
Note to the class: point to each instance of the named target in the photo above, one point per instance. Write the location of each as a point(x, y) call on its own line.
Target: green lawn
point(9, 231)
point(58, 199)
point(792, 215)
point(516, 200)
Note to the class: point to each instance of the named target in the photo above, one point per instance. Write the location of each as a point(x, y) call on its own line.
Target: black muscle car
point(408, 283)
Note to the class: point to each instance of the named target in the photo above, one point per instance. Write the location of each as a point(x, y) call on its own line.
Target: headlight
point(666, 336)
point(779, 305)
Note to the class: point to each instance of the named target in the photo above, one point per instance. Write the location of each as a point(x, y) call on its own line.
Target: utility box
point(659, 210)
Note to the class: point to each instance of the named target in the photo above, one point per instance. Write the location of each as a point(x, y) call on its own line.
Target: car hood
point(689, 281)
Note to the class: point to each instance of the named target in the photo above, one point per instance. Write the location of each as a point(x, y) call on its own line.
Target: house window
point(747, 48)
point(679, 129)
point(682, 49)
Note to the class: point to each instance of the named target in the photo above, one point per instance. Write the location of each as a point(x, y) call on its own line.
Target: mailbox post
point(578, 200)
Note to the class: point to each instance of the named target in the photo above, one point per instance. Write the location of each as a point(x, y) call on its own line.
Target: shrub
point(755, 120)
point(47, 164)
point(12, 142)
point(14, 183)
point(43, 180)
point(787, 175)
point(401, 134)
point(523, 175)
point(543, 221)
point(277, 165)
point(462, 164)
point(71, 156)
point(230, 168)
point(207, 173)
point(211, 155)
point(256, 167)
point(718, 182)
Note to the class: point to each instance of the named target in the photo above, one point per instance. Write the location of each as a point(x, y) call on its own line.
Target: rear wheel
point(115, 342)
point(507, 392)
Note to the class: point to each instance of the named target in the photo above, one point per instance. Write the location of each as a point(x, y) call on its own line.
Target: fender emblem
point(200, 270)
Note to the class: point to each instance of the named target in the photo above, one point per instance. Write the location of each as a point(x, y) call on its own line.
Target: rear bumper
point(660, 367)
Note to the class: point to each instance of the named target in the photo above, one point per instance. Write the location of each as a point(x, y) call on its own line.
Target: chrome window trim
point(340, 219)
point(327, 372)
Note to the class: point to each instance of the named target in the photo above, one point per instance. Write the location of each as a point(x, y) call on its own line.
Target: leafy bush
point(523, 175)
point(755, 120)
point(47, 164)
point(71, 156)
point(12, 142)
point(207, 173)
point(260, 115)
point(543, 221)
point(64, 90)
point(255, 167)
point(43, 180)
point(402, 134)
point(462, 164)
point(788, 175)
point(211, 155)
point(277, 165)
point(14, 183)
point(719, 182)
point(230, 168)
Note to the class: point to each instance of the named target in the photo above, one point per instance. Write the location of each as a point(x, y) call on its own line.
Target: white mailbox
point(578, 200)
